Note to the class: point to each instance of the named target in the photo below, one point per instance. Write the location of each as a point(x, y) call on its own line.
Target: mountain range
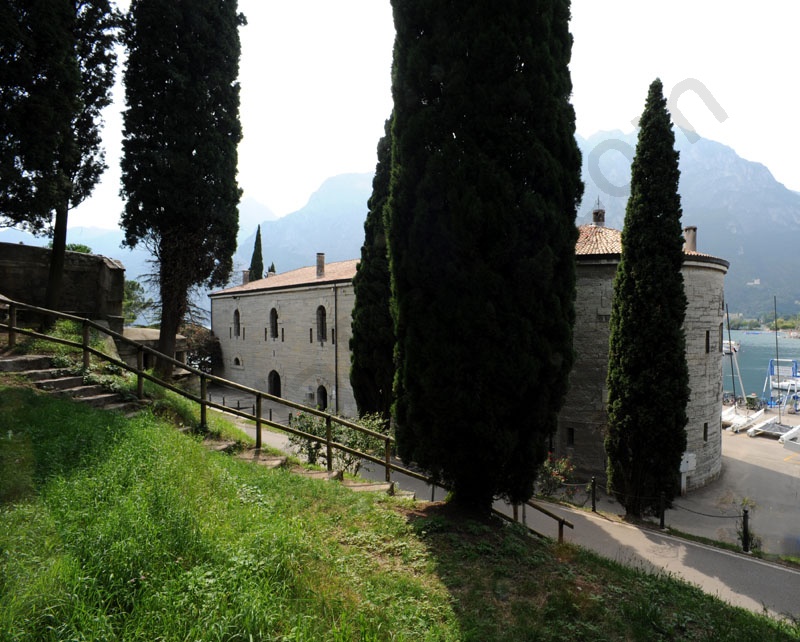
point(742, 214)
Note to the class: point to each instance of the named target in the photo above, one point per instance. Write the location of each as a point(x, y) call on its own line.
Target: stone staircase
point(39, 369)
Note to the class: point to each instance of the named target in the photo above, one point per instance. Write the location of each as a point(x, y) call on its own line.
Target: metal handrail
point(203, 400)
point(206, 402)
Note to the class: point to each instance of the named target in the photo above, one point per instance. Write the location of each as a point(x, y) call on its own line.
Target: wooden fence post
point(139, 376)
point(86, 354)
point(258, 421)
point(328, 439)
point(388, 458)
point(203, 397)
point(12, 323)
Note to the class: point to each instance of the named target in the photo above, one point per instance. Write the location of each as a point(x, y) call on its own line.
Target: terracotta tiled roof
point(334, 272)
point(595, 239)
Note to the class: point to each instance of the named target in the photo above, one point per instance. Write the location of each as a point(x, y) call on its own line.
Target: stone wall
point(93, 285)
point(302, 362)
point(582, 420)
point(703, 283)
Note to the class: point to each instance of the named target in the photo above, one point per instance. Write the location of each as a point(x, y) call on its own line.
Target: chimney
point(320, 264)
point(690, 239)
point(599, 215)
point(245, 277)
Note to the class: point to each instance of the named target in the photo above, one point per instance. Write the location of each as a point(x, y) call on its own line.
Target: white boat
point(738, 419)
point(794, 433)
point(729, 347)
point(762, 427)
point(782, 375)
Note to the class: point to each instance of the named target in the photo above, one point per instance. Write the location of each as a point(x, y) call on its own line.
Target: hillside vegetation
point(126, 529)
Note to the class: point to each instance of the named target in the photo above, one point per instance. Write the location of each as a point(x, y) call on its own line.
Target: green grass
point(118, 529)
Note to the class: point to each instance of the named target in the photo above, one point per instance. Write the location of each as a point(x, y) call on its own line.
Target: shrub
point(316, 452)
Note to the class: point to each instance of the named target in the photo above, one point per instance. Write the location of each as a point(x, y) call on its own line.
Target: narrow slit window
point(273, 323)
point(322, 324)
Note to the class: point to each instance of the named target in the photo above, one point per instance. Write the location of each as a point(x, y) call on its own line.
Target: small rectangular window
point(311, 335)
point(708, 341)
point(281, 334)
point(265, 334)
point(705, 431)
point(244, 330)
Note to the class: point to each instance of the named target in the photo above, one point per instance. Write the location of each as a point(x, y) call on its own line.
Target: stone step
point(89, 390)
point(324, 475)
point(370, 487)
point(60, 383)
point(99, 401)
point(21, 362)
point(41, 375)
point(256, 456)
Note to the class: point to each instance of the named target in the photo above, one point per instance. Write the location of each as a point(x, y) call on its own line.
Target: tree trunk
point(173, 307)
point(57, 256)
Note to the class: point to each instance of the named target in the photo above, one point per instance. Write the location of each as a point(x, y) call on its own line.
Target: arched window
point(237, 326)
point(274, 383)
point(322, 324)
point(322, 398)
point(237, 361)
point(273, 323)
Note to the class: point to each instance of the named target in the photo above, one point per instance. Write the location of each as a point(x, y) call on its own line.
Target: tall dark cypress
point(372, 343)
point(485, 186)
point(648, 377)
point(257, 260)
point(181, 131)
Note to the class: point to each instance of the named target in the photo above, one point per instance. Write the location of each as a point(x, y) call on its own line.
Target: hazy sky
point(315, 77)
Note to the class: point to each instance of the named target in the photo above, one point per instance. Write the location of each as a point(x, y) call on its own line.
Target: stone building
point(289, 334)
point(582, 421)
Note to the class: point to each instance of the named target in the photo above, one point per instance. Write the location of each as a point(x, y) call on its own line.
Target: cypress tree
point(257, 260)
point(372, 343)
point(181, 131)
point(648, 378)
point(484, 190)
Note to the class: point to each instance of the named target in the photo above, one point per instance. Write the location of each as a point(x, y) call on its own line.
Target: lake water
point(754, 354)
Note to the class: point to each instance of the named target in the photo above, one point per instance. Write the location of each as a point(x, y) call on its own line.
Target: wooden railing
point(204, 399)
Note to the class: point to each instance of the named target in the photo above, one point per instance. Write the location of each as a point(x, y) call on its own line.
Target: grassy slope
point(117, 529)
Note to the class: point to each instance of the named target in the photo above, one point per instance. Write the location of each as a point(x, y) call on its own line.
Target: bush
point(316, 452)
point(554, 474)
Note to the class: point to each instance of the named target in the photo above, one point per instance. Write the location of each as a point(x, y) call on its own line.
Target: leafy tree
point(484, 190)
point(372, 343)
point(181, 131)
point(648, 378)
point(271, 268)
point(135, 302)
point(57, 64)
point(203, 348)
point(257, 260)
point(74, 247)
